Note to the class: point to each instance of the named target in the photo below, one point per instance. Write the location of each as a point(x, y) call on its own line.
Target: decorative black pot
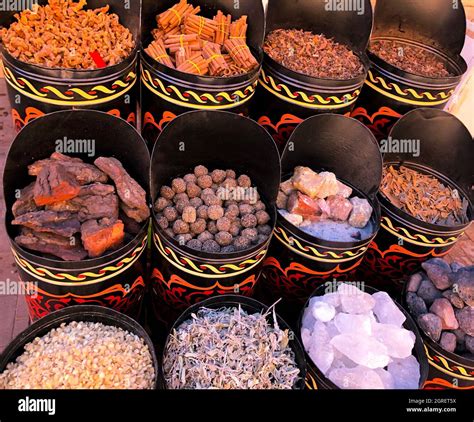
point(86, 313)
point(251, 306)
point(284, 97)
point(167, 93)
point(117, 279)
point(37, 90)
point(181, 276)
point(436, 26)
point(316, 380)
point(298, 262)
point(404, 242)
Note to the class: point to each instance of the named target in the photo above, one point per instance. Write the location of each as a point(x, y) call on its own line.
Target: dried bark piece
point(61, 223)
point(97, 189)
point(98, 236)
point(26, 202)
point(130, 225)
point(54, 184)
point(133, 196)
point(48, 243)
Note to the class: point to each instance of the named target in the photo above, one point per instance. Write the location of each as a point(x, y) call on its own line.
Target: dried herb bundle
point(313, 55)
point(423, 196)
point(228, 348)
point(410, 58)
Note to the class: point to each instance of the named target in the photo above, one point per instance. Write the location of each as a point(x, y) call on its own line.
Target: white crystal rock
point(358, 324)
point(323, 311)
point(354, 300)
point(387, 378)
point(332, 329)
point(386, 310)
point(308, 319)
point(342, 361)
point(405, 373)
point(306, 338)
point(356, 378)
point(333, 299)
point(323, 356)
point(362, 349)
point(319, 334)
point(399, 341)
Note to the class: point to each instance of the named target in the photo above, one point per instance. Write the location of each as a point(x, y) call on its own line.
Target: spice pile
point(441, 298)
point(71, 197)
point(82, 355)
point(423, 196)
point(410, 58)
point(215, 212)
point(63, 35)
point(357, 340)
point(312, 55)
point(201, 46)
point(321, 206)
point(229, 348)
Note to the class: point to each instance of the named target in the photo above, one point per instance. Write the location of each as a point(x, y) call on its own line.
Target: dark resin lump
point(213, 211)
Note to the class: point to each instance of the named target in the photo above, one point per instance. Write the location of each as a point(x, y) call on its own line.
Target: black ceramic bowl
point(86, 313)
point(37, 90)
point(404, 242)
point(316, 380)
point(218, 140)
point(438, 27)
point(251, 306)
point(167, 93)
point(298, 262)
point(115, 280)
point(285, 97)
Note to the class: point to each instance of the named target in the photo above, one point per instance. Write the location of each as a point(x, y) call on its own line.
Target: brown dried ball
point(246, 209)
point(163, 222)
point(211, 199)
point(208, 191)
point(223, 224)
point(224, 238)
point(244, 181)
point(194, 244)
point(260, 206)
point(232, 212)
point(231, 202)
point(178, 185)
point(215, 212)
point(195, 202)
point(190, 178)
point(167, 192)
point(235, 228)
point(204, 236)
point(228, 249)
point(262, 238)
point(183, 239)
point(199, 226)
point(204, 181)
point(230, 174)
point(202, 212)
point(265, 230)
point(250, 234)
point(212, 227)
point(171, 214)
point(249, 221)
point(181, 205)
point(229, 183)
point(169, 231)
point(241, 243)
point(193, 190)
point(262, 217)
point(211, 246)
point(200, 171)
point(218, 176)
point(189, 214)
point(161, 204)
point(180, 227)
point(181, 197)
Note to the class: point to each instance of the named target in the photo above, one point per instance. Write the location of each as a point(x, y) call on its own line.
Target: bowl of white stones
point(357, 337)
